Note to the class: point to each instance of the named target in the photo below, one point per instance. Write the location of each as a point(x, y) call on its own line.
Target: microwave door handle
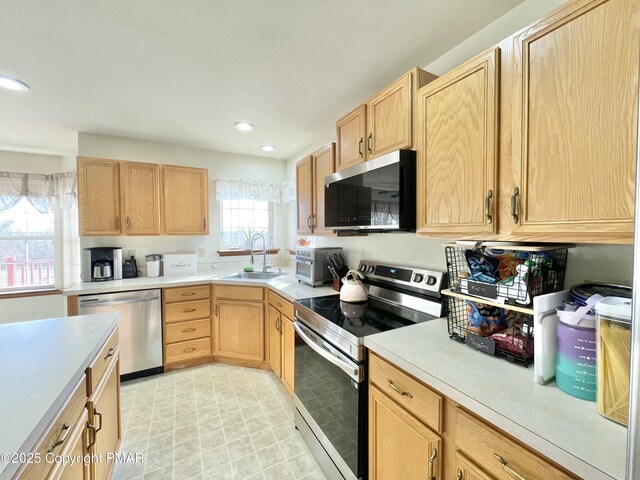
point(401, 188)
point(353, 372)
point(306, 262)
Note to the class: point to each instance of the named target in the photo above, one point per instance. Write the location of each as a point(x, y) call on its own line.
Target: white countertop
point(565, 429)
point(40, 363)
point(285, 285)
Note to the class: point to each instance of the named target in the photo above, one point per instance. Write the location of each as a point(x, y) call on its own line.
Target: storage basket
point(514, 343)
point(517, 274)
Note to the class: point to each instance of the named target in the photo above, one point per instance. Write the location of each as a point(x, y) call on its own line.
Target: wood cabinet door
point(575, 121)
point(458, 154)
point(399, 445)
point(239, 330)
point(76, 449)
point(104, 414)
point(185, 200)
point(275, 341)
point(98, 196)
point(140, 193)
point(350, 134)
point(389, 118)
point(304, 196)
point(323, 165)
point(466, 470)
point(288, 352)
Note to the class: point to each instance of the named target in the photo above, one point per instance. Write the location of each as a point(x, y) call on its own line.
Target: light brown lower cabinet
point(77, 447)
point(399, 445)
point(275, 341)
point(282, 339)
point(239, 330)
point(104, 417)
point(403, 443)
point(288, 351)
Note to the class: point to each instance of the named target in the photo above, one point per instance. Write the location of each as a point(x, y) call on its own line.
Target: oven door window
point(334, 399)
point(304, 269)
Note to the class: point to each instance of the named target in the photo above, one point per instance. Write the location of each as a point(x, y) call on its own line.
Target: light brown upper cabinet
point(310, 174)
point(351, 131)
point(458, 149)
point(383, 124)
point(99, 196)
point(575, 123)
point(140, 192)
point(185, 200)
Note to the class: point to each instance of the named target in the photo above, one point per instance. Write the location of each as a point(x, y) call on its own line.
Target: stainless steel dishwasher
point(140, 328)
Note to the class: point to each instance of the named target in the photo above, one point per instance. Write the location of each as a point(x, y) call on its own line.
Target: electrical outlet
point(202, 252)
point(131, 253)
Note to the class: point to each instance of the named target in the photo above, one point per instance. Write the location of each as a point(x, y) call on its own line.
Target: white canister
point(153, 265)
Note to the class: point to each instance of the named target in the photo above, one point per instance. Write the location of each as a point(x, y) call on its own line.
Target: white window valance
point(44, 192)
point(254, 189)
point(289, 190)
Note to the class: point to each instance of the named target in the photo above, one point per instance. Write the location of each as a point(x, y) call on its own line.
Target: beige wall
point(586, 262)
point(221, 165)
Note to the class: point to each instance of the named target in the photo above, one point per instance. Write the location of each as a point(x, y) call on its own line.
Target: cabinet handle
point(128, 223)
point(216, 310)
point(66, 429)
point(313, 220)
point(459, 475)
point(188, 294)
point(110, 353)
point(360, 144)
point(99, 415)
point(309, 221)
point(514, 204)
point(432, 461)
point(279, 304)
point(189, 310)
point(188, 330)
point(117, 223)
point(370, 143)
point(508, 469)
point(204, 223)
point(189, 350)
point(279, 325)
point(487, 207)
point(397, 390)
point(91, 428)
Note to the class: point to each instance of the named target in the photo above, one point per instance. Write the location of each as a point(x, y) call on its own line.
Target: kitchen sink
point(256, 275)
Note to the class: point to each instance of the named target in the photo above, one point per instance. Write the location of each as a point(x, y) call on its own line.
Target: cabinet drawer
point(182, 331)
point(417, 398)
point(284, 306)
point(96, 369)
point(177, 352)
point(183, 294)
point(484, 444)
point(246, 294)
point(177, 312)
point(58, 433)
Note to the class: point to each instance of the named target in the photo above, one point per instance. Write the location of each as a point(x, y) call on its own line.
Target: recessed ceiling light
point(267, 148)
point(244, 126)
point(13, 84)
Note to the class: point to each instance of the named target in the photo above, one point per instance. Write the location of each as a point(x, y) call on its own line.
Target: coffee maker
point(100, 264)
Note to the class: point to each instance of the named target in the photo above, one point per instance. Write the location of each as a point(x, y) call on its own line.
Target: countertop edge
point(529, 438)
point(28, 445)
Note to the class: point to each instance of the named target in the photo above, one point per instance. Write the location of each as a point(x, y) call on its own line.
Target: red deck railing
point(18, 273)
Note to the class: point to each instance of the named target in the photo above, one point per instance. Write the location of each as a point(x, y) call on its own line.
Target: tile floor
point(212, 422)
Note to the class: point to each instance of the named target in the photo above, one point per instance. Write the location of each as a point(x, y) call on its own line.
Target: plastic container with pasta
point(613, 331)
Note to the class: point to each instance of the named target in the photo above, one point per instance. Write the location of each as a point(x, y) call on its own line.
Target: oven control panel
point(430, 281)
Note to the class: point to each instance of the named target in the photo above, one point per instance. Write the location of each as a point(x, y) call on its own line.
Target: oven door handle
point(352, 371)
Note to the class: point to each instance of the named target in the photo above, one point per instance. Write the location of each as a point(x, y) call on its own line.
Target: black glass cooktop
point(362, 319)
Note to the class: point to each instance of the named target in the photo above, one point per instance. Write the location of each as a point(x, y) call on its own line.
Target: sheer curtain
point(50, 193)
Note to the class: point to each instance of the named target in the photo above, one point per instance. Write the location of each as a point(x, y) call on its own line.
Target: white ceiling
point(185, 71)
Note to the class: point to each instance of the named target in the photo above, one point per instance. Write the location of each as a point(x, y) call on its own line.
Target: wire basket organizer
point(520, 274)
point(500, 291)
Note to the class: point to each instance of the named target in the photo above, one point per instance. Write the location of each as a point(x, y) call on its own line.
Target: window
point(26, 247)
point(242, 218)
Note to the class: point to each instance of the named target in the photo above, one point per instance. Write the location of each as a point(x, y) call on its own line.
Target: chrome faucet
point(265, 267)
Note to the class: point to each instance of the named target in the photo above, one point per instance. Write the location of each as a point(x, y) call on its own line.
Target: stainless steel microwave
point(377, 195)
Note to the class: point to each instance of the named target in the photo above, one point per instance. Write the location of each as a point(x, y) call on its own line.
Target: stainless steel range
point(330, 360)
